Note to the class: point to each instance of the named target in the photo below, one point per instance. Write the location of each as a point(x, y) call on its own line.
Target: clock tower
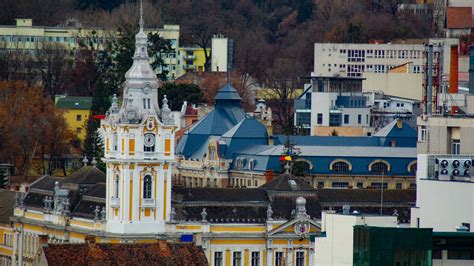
point(139, 151)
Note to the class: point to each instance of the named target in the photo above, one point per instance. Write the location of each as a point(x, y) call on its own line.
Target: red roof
point(191, 111)
point(160, 253)
point(459, 17)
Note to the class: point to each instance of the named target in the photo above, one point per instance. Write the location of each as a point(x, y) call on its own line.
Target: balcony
point(189, 67)
point(148, 203)
point(189, 57)
point(115, 202)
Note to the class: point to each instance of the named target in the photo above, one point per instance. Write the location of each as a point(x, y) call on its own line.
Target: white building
point(395, 69)
point(337, 247)
point(385, 108)
point(338, 102)
point(220, 46)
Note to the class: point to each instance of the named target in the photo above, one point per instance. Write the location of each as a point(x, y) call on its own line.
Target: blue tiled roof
point(228, 124)
point(266, 157)
point(329, 140)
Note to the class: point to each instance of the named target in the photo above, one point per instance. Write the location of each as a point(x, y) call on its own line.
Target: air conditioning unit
point(454, 169)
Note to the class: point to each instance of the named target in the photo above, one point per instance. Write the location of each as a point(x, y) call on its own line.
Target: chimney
point(399, 123)
point(453, 70)
point(471, 69)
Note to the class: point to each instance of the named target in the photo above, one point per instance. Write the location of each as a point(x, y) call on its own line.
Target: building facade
point(27, 37)
point(76, 113)
point(338, 107)
point(134, 202)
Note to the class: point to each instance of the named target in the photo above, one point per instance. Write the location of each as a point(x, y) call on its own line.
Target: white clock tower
point(139, 151)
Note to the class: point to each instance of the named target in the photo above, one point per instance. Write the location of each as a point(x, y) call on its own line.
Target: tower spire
point(141, 23)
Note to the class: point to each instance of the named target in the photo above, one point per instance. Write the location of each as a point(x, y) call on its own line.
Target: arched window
point(147, 187)
point(116, 188)
point(340, 167)
point(251, 164)
point(412, 167)
point(379, 168)
point(302, 167)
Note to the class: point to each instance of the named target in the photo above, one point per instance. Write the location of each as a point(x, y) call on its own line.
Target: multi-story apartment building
point(394, 69)
point(191, 59)
point(374, 62)
point(25, 36)
point(337, 104)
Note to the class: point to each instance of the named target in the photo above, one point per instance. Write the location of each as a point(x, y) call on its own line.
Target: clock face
point(149, 140)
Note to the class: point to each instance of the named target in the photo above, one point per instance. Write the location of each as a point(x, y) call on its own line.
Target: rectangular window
point(399, 186)
point(359, 119)
point(78, 130)
point(360, 185)
point(320, 119)
point(255, 258)
point(79, 117)
point(455, 146)
point(379, 68)
point(300, 258)
point(340, 184)
point(237, 258)
point(279, 258)
point(320, 184)
point(346, 119)
point(218, 261)
point(378, 185)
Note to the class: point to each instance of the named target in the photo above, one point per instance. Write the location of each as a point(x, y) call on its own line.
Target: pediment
point(300, 227)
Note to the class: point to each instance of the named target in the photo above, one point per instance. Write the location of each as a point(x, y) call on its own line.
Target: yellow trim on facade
point(167, 147)
point(237, 229)
point(77, 235)
point(81, 223)
point(227, 257)
point(107, 144)
point(237, 241)
point(131, 146)
point(123, 146)
point(280, 242)
point(246, 257)
point(188, 227)
point(36, 216)
point(130, 206)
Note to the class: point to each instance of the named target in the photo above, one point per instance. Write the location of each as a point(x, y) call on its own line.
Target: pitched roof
point(227, 93)
point(86, 175)
point(249, 127)
point(287, 182)
point(7, 204)
point(365, 196)
point(393, 130)
point(160, 253)
point(459, 17)
point(78, 103)
point(329, 140)
point(219, 195)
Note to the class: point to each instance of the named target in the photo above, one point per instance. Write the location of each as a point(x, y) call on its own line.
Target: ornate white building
point(139, 151)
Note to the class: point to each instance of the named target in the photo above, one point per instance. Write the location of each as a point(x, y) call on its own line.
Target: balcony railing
point(148, 203)
point(189, 57)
